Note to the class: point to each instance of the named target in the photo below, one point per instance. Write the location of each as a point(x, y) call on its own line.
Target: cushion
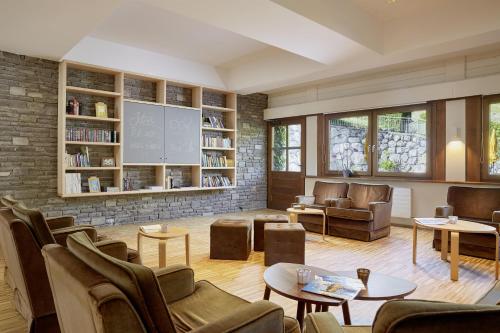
point(362, 194)
point(475, 203)
point(325, 190)
point(138, 282)
point(37, 224)
point(350, 214)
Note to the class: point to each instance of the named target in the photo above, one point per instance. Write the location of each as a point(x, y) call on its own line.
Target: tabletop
point(460, 226)
point(305, 211)
point(172, 232)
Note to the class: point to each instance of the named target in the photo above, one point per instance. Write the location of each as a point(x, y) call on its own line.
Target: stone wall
point(28, 155)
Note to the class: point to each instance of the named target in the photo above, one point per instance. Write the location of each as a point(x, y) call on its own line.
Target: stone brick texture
point(28, 154)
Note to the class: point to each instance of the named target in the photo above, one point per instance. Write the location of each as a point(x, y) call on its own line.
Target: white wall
point(312, 146)
point(455, 140)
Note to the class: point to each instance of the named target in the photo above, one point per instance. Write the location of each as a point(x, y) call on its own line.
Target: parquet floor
point(390, 255)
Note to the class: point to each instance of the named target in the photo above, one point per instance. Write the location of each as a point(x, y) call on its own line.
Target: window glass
point(402, 142)
point(286, 148)
point(493, 140)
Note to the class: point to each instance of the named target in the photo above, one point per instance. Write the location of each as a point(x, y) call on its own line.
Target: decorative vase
point(346, 173)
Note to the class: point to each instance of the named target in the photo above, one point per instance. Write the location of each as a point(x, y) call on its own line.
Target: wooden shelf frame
point(197, 171)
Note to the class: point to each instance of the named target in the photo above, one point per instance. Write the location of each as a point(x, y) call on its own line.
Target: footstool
point(284, 242)
point(230, 239)
point(258, 228)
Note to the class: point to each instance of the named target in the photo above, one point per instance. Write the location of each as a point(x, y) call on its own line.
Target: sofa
point(24, 232)
point(365, 214)
point(111, 295)
point(474, 204)
point(418, 316)
point(323, 194)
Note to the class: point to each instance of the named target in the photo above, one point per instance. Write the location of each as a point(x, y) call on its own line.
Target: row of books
point(216, 181)
point(213, 161)
point(219, 141)
point(91, 134)
point(79, 159)
point(213, 122)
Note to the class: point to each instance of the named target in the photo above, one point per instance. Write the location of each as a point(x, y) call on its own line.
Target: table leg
point(300, 313)
point(444, 244)
point(139, 244)
point(318, 308)
point(188, 259)
point(294, 218)
point(324, 225)
point(496, 255)
point(309, 308)
point(414, 243)
point(324, 308)
point(267, 293)
point(347, 315)
point(162, 253)
point(454, 257)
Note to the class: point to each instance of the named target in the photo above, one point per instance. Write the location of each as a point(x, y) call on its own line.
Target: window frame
point(485, 135)
point(372, 138)
point(287, 122)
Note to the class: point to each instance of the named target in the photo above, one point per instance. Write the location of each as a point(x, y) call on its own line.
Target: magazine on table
point(150, 228)
point(433, 220)
point(335, 286)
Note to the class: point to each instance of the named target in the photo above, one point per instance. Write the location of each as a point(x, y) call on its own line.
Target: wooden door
point(286, 162)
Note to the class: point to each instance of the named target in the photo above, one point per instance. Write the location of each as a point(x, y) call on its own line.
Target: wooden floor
point(390, 255)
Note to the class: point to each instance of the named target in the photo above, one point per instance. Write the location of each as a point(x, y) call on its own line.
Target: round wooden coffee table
point(295, 212)
point(454, 231)
point(172, 232)
point(282, 279)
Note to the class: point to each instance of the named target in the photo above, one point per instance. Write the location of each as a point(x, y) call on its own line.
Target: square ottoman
point(284, 242)
point(258, 228)
point(230, 239)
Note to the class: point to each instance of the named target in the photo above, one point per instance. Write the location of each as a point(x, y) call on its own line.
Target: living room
point(249, 166)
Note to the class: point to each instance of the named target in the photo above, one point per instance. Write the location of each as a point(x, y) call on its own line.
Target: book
point(72, 183)
point(150, 228)
point(335, 286)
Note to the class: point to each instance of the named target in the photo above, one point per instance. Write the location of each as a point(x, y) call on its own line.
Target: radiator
point(401, 202)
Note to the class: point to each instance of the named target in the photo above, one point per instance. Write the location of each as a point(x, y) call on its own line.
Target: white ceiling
point(249, 46)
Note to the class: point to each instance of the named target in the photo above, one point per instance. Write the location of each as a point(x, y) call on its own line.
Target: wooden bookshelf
point(163, 92)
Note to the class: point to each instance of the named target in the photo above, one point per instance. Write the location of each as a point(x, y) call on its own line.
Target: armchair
point(364, 215)
point(476, 204)
point(321, 198)
point(115, 296)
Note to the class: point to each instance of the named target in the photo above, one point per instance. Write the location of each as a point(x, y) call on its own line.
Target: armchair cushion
point(113, 248)
point(403, 316)
point(350, 214)
point(305, 199)
point(36, 222)
point(62, 234)
point(444, 211)
point(176, 282)
point(341, 203)
point(496, 216)
point(362, 194)
point(325, 190)
point(60, 222)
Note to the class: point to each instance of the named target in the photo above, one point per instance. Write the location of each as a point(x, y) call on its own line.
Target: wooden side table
point(295, 212)
point(172, 232)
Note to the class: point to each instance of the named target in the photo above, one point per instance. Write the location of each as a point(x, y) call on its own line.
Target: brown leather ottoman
point(230, 239)
point(258, 228)
point(284, 243)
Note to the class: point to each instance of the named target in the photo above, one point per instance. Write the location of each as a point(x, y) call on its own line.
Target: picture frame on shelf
point(94, 185)
point(108, 162)
point(101, 110)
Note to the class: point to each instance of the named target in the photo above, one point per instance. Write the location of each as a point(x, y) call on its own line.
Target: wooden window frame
point(287, 122)
point(485, 135)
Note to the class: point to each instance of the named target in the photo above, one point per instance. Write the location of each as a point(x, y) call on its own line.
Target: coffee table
point(172, 232)
point(454, 230)
point(282, 279)
point(295, 212)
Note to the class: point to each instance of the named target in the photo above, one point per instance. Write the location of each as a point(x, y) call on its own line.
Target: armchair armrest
point(261, 316)
point(444, 211)
point(429, 316)
point(176, 282)
point(496, 216)
point(60, 222)
point(61, 234)
point(114, 248)
point(322, 322)
point(305, 199)
point(340, 203)
point(381, 213)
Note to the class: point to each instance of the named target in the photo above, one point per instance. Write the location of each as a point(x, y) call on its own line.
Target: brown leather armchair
point(418, 316)
point(364, 215)
point(323, 194)
point(110, 295)
point(474, 204)
point(24, 233)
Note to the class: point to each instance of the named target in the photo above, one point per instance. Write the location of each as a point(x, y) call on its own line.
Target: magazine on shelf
point(335, 286)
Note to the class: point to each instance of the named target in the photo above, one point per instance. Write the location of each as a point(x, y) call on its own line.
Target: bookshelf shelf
point(93, 92)
point(154, 91)
point(91, 118)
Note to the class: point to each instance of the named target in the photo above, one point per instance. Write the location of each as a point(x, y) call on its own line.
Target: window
point(389, 142)
point(286, 148)
point(491, 137)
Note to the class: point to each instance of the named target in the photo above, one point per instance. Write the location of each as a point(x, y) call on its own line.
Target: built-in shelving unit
point(116, 87)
